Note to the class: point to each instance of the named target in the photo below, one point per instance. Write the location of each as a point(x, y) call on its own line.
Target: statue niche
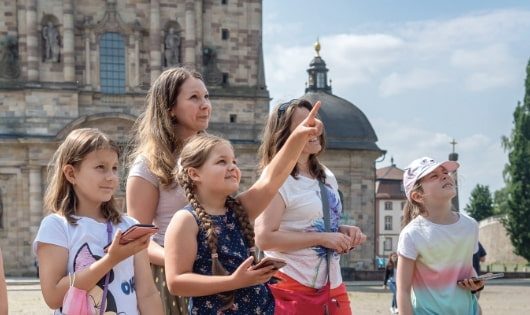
point(51, 42)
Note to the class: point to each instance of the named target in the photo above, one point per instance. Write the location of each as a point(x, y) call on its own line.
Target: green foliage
point(500, 201)
point(480, 203)
point(517, 176)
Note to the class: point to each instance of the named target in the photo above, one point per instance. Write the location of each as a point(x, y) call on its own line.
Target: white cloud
point(396, 83)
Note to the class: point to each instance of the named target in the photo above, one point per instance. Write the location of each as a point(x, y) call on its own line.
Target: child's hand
point(339, 242)
point(246, 276)
point(470, 284)
point(311, 126)
point(357, 237)
point(118, 252)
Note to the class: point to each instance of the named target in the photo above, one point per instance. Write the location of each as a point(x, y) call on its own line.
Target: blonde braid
point(207, 225)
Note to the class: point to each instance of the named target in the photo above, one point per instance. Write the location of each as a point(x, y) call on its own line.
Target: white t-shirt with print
point(303, 213)
point(85, 244)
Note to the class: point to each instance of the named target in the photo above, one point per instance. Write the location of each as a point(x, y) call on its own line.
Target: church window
point(112, 63)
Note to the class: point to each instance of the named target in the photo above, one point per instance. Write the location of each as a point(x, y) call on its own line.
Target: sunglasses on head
point(285, 105)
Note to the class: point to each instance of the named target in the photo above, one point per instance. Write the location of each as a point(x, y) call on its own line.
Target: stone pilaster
point(190, 41)
point(32, 42)
point(68, 43)
point(155, 52)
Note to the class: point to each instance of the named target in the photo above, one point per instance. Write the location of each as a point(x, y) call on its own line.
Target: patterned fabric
point(173, 305)
point(232, 251)
point(443, 256)
point(85, 242)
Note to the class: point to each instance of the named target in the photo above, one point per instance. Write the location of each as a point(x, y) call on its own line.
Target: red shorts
point(340, 294)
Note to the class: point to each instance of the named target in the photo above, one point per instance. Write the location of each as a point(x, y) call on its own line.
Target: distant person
point(435, 244)
point(479, 257)
point(71, 240)
point(3, 288)
point(390, 280)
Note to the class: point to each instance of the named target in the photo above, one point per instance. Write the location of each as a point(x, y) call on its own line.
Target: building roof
point(389, 183)
point(345, 124)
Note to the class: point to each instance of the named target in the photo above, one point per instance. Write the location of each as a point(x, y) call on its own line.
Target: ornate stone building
point(67, 64)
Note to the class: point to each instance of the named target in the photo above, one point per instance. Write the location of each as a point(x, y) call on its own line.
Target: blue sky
point(423, 72)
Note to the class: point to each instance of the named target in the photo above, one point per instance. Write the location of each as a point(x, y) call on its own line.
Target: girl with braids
point(210, 244)
point(436, 245)
point(178, 107)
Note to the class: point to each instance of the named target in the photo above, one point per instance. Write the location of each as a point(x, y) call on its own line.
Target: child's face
point(438, 184)
point(219, 173)
point(96, 178)
point(313, 145)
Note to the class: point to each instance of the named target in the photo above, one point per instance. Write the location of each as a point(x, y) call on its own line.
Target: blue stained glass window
point(112, 63)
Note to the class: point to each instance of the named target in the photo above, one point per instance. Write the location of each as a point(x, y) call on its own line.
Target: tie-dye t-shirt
point(443, 255)
point(303, 213)
point(85, 244)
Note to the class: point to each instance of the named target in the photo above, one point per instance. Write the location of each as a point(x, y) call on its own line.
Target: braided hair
point(194, 155)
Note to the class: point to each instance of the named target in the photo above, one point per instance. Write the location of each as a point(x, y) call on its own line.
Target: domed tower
point(351, 154)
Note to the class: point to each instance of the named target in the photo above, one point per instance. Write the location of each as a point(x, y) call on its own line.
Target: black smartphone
point(487, 276)
point(134, 232)
point(267, 261)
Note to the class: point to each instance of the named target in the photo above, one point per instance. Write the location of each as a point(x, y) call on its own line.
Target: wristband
point(477, 290)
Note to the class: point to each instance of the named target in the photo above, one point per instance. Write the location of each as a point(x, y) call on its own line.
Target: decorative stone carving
point(172, 47)
point(212, 74)
point(52, 42)
point(9, 65)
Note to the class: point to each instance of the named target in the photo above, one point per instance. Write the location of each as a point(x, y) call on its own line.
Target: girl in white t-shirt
point(70, 241)
point(436, 245)
point(292, 225)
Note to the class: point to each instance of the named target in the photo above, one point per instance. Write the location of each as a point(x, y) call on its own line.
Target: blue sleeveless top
point(232, 251)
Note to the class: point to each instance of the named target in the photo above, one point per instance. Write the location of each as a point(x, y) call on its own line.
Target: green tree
point(500, 200)
point(517, 176)
point(480, 203)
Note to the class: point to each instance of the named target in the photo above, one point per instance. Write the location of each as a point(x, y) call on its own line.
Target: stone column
point(155, 42)
point(32, 40)
point(190, 40)
point(68, 41)
point(88, 75)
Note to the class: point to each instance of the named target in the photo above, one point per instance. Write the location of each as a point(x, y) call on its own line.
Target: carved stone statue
point(172, 47)
point(9, 65)
point(52, 41)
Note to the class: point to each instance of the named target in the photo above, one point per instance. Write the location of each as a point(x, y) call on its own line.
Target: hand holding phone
point(487, 276)
point(267, 261)
point(134, 232)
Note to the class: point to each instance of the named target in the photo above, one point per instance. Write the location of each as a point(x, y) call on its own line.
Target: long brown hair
point(60, 196)
point(278, 130)
point(155, 138)
point(194, 155)
point(390, 263)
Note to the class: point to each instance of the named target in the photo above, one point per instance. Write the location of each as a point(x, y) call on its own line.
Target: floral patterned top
point(232, 251)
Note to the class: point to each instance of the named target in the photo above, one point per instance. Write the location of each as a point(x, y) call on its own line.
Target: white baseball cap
point(418, 168)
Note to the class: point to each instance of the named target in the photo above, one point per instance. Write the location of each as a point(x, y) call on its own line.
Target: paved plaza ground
point(501, 297)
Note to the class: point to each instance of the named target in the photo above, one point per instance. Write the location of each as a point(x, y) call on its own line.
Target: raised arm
point(257, 197)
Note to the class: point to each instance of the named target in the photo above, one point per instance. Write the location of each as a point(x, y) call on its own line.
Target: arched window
point(112, 63)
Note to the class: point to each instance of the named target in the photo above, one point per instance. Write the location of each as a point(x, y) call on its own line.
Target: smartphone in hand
point(487, 276)
point(267, 261)
point(134, 232)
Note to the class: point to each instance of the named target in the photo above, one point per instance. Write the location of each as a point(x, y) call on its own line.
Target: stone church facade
point(68, 64)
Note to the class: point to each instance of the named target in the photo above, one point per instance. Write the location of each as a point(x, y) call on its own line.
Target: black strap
point(325, 210)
